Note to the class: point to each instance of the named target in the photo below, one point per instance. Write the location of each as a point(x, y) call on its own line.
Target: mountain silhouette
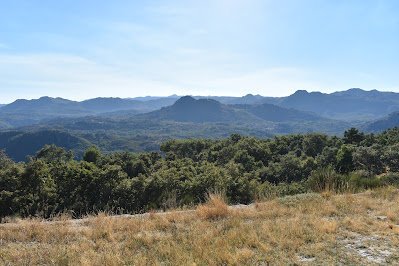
point(188, 109)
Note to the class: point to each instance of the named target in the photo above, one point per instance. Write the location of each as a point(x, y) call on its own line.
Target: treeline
point(243, 168)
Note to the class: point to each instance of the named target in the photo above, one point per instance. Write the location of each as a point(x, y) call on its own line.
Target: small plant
point(325, 179)
point(214, 208)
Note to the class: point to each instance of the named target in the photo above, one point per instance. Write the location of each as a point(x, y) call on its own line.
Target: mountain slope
point(152, 98)
point(19, 144)
point(373, 94)
point(110, 135)
point(43, 105)
point(274, 113)
point(188, 109)
point(27, 112)
point(61, 106)
point(389, 121)
point(351, 105)
point(354, 105)
point(264, 117)
point(187, 117)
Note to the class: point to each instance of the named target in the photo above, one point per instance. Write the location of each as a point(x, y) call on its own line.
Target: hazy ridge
point(142, 123)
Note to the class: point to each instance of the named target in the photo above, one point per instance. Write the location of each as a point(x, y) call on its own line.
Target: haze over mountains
point(26, 112)
point(142, 123)
point(378, 125)
point(188, 109)
point(352, 105)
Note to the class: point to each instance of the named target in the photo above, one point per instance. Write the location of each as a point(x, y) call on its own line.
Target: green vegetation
point(389, 121)
point(18, 145)
point(114, 124)
point(243, 168)
point(111, 135)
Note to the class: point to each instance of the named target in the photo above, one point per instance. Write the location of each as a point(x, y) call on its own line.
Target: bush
point(390, 179)
point(324, 179)
point(214, 208)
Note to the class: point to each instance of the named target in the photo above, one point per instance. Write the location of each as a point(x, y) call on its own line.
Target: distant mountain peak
point(190, 101)
point(188, 109)
point(252, 97)
point(186, 98)
point(354, 91)
point(45, 99)
point(301, 92)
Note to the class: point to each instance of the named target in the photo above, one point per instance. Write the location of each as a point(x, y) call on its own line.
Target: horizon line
point(179, 96)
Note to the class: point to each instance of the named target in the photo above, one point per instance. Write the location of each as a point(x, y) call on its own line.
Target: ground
point(306, 229)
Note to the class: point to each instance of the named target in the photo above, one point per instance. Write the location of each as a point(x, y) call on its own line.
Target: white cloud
point(70, 77)
point(74, 77)
point(185, 71)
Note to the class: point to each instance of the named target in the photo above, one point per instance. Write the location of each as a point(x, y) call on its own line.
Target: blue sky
point(79, 49)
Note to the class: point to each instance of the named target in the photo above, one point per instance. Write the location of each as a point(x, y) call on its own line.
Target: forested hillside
point(353, 106)
point(142, 124)
point(274, 113)
point(187, 117)
point(27, 112)
point(188, 109)
point(18, 145)
point(112, 135)
point(389, 121)
point(244, 168)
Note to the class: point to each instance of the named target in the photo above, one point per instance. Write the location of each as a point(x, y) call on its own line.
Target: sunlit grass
point(307, 228)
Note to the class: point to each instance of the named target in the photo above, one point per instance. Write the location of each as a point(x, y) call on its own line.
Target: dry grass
point(214, 208)
point(303, 229)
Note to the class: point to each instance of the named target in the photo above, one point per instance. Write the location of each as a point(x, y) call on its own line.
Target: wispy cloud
point(32, 76)
point(75, 77)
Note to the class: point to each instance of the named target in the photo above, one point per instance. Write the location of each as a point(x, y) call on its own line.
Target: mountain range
point(353, 105)
point(25, 112)
point(378, 125)
point(142, 123)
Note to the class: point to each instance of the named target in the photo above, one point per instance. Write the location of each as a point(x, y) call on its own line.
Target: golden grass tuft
point(214, 208)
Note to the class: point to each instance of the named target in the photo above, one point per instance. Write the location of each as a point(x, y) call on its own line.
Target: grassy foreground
point(302, 229)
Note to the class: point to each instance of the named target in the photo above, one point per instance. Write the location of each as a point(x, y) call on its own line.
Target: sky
point(81, 49)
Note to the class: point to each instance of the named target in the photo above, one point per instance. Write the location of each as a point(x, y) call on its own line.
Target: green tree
point(391, 157)
point(10, 178)
point(345, 159)
point(38, 189)
point(327, 158)
point(92, 155)
point(54, 154)
point(314, 143)
point(369, 159)
point(353, 136)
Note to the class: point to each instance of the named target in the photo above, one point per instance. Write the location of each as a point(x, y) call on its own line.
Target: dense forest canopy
point(244, 168)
